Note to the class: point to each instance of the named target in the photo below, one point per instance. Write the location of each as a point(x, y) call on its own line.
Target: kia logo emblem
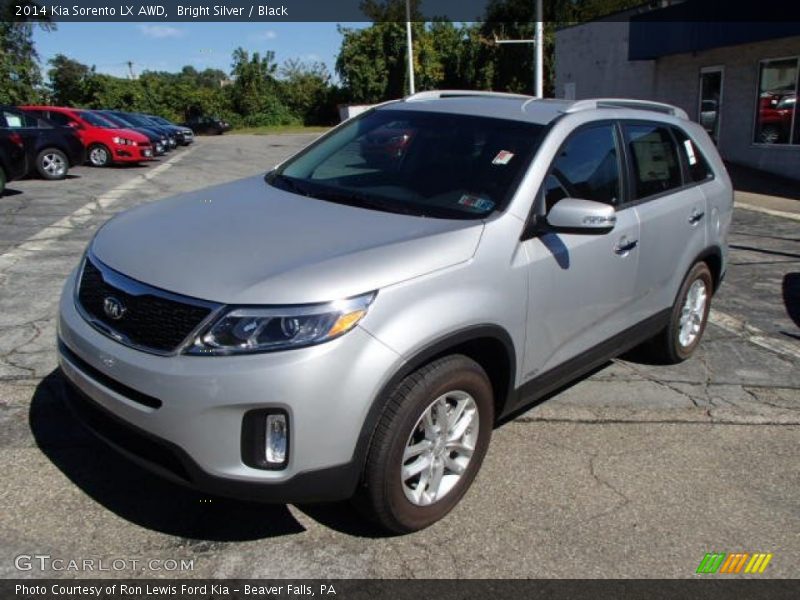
point(113, 308)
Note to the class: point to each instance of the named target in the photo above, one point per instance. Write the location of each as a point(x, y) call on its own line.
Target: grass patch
point(279, 129)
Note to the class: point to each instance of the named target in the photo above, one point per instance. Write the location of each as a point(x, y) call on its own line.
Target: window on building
point(586, 167)
point(656, 168)
point(694, 159)
point(776, 121)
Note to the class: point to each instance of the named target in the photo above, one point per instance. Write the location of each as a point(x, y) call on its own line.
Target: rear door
point(581, 286)
point(671, 208)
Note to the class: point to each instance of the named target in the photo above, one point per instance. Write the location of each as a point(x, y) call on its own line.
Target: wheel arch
point(490, 346)
point(712, 256)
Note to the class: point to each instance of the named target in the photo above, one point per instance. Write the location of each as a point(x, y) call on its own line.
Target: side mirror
point(573, 215)
point(75, 125)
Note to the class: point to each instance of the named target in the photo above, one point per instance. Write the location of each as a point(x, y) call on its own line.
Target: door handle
point(696, 216)
point(623, 246)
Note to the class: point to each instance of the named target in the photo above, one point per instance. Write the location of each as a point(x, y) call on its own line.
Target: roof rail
point(595, 103)
point(437, 94)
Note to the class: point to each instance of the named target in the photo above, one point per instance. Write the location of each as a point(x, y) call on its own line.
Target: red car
point(105, 143)
point(386, 144)
point(776, 110)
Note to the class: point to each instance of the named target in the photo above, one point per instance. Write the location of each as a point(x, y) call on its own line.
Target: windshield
point(136, 120)
point(119, 120)
point(95, 119)
point(421, 163)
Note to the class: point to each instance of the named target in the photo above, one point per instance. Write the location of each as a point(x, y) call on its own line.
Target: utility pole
point(410, 46)
point(538, 49)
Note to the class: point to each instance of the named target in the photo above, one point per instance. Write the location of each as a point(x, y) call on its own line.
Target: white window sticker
point(503, 157)
point(690, 152)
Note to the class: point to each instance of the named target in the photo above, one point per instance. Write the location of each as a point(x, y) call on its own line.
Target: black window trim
point(623, 183)
point(686, 182)
point(530, 230)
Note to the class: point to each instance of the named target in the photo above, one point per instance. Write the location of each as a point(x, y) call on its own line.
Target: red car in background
point(776, 111)
point(105, 143)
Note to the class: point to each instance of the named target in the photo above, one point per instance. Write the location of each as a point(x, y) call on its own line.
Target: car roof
point(518, 107)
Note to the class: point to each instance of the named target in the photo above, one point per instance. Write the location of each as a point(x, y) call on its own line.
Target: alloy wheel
point(440, 448)
point(693, 313)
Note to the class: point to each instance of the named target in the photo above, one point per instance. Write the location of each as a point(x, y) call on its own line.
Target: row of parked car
point(46, 141)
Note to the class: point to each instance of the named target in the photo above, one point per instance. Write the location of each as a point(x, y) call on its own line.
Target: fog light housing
point(276, 439)
point(265, 439)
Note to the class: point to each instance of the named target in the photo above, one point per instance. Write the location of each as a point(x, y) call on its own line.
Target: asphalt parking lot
point(636, 471)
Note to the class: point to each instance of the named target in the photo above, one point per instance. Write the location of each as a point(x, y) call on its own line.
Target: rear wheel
point(99, 155)
point(2, 181)
point(52, 164)
point(428, 445)
point(688, 319)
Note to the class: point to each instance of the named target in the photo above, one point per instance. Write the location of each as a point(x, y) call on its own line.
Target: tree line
point(371, 67)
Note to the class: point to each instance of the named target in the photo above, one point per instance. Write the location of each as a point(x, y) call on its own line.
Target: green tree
point(307, 92)
point(19, 62)
point(68, 80)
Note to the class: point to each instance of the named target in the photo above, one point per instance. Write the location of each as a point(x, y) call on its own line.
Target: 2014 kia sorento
point(341, 328)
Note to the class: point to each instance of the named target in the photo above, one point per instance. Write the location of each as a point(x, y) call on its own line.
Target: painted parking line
point(50, 235)
point(767, 211)
point(752, 334)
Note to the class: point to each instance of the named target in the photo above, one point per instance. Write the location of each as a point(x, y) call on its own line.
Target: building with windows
point(738, 79)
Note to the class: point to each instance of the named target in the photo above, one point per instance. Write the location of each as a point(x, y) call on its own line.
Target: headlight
point(249, 330)
point(123, 141)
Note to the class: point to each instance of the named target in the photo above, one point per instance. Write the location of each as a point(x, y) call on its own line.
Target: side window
point(59, 118)
point(13, 120)
point(656, 168)
point(697, 163)
point(586, 167)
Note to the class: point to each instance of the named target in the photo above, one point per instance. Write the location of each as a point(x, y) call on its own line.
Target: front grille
point(152, 319)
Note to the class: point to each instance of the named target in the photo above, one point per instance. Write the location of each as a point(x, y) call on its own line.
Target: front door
point(580, 286)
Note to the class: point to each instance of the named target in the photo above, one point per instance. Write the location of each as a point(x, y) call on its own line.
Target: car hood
point(247, 242)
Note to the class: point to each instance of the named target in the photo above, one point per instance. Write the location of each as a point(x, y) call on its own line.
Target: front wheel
point(99, 156)
point(429, 444)
point(2, 181)
point(688, 318)
point(52, 164)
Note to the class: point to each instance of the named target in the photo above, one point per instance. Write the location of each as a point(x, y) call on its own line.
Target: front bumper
point(326, 390)
point(132, 153)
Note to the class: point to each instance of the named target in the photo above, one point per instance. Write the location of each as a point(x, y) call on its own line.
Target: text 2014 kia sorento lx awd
point(341, 328)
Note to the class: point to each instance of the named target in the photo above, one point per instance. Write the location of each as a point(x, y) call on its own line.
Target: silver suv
point(356, 322)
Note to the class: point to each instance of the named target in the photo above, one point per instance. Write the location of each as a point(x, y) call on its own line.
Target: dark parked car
point(142, 121)
point(208, 125)
point(12, 157)
point(49, 148)
point(183, 135)
point(158, 139)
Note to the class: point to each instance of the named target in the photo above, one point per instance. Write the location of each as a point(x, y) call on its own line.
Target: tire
point(677, 343)
point(52, 164)
point(99, 155)
point(769, 134)
point(2, 181)
point(400, 506)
